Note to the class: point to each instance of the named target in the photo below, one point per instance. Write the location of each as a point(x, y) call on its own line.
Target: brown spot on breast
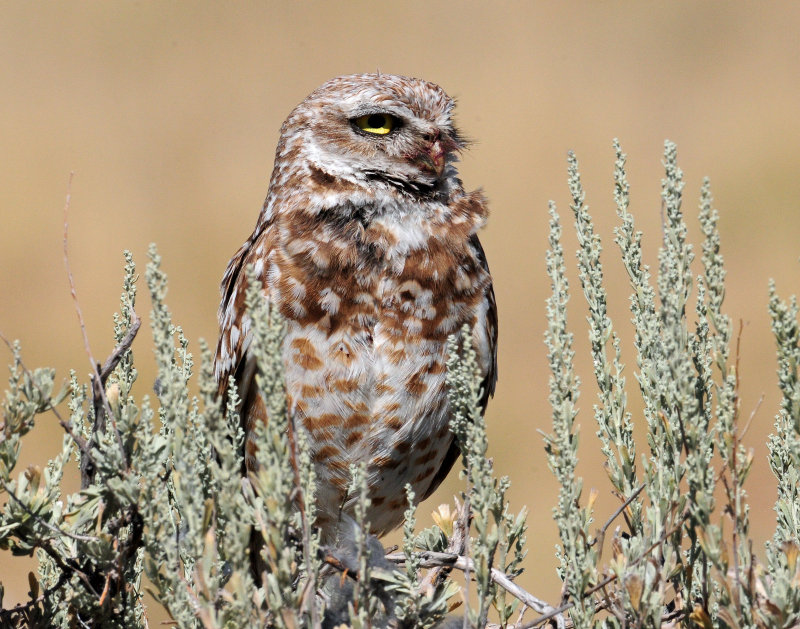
point(355, 420)
point(343, 352)
point(306, 355)
point(380, 236)
point(344, 385)
point(358, 407)
point(415, 386)
point(378, 501)
point(340, 482)
point(437, 368)
point(353, 438)
point(394, 422)
point(310, 391)
point(382, 388)
point(326, 420)
point(397, 355)
point(381, 461)
point(323, 435)
point(338, 465)
point(402, 447)
point(326, 452)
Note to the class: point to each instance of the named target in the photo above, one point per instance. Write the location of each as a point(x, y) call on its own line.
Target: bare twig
point(752, 416)
point(73, 291)
point(601, 534)
point(99, 376)
point(431, 559)
point(119, 351)
point(553, 614)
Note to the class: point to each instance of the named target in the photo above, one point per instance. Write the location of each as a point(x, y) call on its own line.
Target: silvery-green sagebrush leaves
point(675, 555)
point(164, 507)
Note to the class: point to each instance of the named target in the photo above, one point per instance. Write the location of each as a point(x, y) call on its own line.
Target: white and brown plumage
point(367, 245)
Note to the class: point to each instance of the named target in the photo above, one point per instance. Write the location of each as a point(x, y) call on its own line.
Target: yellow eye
point(379, 124)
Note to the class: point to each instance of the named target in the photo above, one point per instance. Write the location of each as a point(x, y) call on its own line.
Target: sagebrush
point(164, 505)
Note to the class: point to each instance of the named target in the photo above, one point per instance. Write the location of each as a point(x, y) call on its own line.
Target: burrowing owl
point(367, 244)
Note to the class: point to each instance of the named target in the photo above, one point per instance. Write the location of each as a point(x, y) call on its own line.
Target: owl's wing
point(234, 328)
point(489, 325)
point(488, 329)
point(235, 335)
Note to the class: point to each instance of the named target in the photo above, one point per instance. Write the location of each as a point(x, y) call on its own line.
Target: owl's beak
point(434, 158)
point(438, 156)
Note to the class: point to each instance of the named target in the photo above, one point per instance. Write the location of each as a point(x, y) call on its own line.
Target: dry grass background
point(169, 112)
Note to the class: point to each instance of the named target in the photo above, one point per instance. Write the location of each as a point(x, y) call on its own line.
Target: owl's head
point(372, 129)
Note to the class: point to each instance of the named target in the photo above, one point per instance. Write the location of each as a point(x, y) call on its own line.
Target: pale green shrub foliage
point(165, 505)
point(670, 560)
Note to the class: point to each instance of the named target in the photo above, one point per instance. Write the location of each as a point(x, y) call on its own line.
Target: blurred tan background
point(169, 113)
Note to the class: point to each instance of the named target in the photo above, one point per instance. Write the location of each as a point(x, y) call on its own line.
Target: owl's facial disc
point(380, 129)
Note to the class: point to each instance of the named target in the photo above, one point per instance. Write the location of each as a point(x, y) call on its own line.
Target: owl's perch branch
point(430, 559)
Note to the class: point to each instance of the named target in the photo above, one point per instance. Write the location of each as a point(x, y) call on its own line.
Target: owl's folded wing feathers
point(489, 331)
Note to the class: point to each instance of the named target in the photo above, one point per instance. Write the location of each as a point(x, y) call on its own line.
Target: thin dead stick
point(71, 278)
point(99, 375)
point(119, 351)
point(752, 415)
point(99, 388)
point(601, 534)
point(431, 559)
point(554, 614)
